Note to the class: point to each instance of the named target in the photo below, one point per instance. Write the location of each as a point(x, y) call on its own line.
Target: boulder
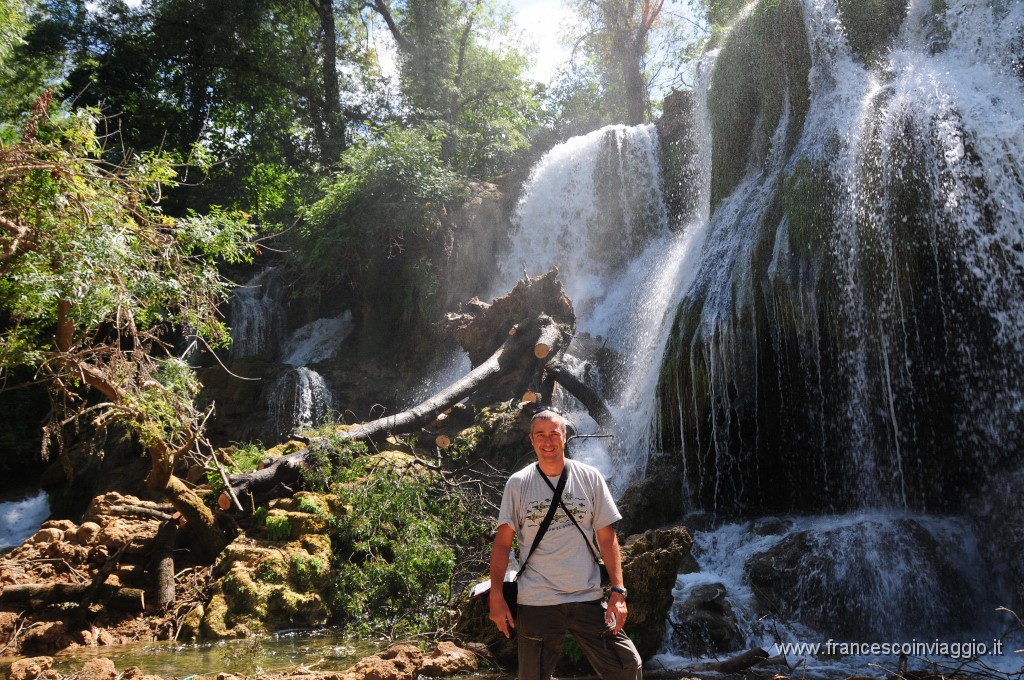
point(47, 536)
point(64, 525)
point(707, 625)
point(399, 662)
point(136, 673)
point(42, 634)
point(29, 669)
point(87, 532)
point(98, 669)
point(654, 501)
point(650, 564)
point(448, 659)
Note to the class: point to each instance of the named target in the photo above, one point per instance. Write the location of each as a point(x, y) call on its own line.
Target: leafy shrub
point(405, 538)
point(389, 190)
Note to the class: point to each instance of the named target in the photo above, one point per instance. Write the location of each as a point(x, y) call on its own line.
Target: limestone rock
point(43, 634)
point(399, 662)
point(87, 532)
point(136, 673)
point(654, 501)
point(64, 525)
point(269, 585)
point(46, 536)
point(707, 625)
point(98, 669)
point(448, 659)
point(651, 561)
point(29, 669)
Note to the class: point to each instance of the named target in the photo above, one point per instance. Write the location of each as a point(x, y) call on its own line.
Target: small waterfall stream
point(21, 517)
point(300, 397)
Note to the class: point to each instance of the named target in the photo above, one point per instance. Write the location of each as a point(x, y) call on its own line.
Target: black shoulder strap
point(556, 500)
point(572, 519)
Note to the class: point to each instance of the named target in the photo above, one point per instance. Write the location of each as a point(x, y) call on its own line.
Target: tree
point(95, 282)
point(616, 37)
point(462, 77)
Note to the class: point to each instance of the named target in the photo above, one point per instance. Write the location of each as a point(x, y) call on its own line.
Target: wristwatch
point(620, 591)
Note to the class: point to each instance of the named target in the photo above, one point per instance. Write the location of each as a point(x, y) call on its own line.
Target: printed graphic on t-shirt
point(538, 510)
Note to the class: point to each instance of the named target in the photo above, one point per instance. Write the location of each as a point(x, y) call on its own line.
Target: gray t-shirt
point(561, 569)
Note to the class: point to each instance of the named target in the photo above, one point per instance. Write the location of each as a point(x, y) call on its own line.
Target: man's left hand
point(615, 615)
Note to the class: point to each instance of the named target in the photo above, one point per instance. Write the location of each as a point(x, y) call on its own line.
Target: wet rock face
point(651, 561)
point(707, 624)
point(834, 579)
point(654, 501)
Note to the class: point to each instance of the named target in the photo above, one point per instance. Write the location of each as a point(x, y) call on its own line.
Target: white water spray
point(593, 207)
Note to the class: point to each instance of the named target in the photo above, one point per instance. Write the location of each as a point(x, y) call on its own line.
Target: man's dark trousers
point(541, 631)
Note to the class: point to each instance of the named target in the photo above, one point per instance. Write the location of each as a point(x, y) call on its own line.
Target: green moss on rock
point(764, 62)
point(871, 25)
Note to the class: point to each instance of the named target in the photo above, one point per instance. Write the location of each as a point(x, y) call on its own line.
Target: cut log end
point(443, 441)
point(541, 350)
point(224, 501)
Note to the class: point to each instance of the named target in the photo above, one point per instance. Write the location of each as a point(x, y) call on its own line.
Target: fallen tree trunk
point(740, 662)
point(37, 594)
point(523, 333)
point(287, 469)
point(590, 399)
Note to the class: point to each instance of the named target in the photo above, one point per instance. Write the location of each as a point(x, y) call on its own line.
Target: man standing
point(560, 588)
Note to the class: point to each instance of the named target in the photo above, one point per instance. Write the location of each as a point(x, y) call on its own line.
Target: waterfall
point(256, 316)
point(301, 398)
point(593, 207)
point(847, 362)
point(21, 517)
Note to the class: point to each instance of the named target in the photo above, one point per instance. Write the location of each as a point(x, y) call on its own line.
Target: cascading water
point(593, 207)
point(255, 317)
point(850, 328)
point(851, 344)
point(301, 397)
point(21, 517)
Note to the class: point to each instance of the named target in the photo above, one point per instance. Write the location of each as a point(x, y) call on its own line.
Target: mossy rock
point(265, 586)
point(871, 25)
point(764, 62)
point(502, 436)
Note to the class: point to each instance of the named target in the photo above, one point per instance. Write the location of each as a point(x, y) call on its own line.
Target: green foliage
point(94, 276)
point(614, 36)
point(279, 528)
point(13, 25)
point(389, 190)
point(399, 545)
point(379, 226)
point(464, 76)
point(332, 463)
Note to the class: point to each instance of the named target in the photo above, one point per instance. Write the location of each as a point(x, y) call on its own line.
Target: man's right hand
point(500, 613)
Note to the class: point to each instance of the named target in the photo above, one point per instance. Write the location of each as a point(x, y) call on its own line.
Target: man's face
point(548, 438)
